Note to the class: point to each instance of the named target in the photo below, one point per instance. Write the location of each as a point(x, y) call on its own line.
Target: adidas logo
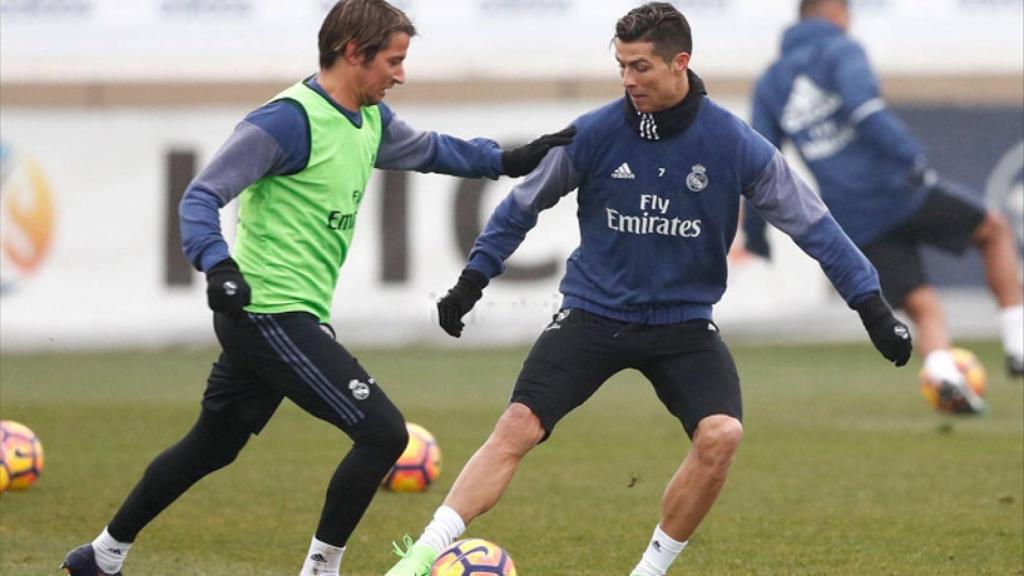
point(623, 172)
point(656, 545)
point(318, 557)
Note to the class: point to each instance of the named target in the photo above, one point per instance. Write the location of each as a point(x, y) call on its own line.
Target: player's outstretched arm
point(460, 300)
point(890, 336)
point(403, 147)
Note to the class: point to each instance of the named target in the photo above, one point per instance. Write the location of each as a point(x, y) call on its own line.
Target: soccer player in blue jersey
point(660, 174)
point(874, 176)
point(299, 166)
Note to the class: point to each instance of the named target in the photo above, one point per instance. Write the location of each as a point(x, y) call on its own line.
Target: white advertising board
point(217, 40)
point(84, 238)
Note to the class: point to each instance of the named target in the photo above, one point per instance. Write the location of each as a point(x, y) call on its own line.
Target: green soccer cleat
point(416, 560)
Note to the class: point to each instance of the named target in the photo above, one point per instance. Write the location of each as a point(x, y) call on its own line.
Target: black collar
point(675, 120)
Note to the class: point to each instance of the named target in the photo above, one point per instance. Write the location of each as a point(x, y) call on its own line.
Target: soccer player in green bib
point(299, 166)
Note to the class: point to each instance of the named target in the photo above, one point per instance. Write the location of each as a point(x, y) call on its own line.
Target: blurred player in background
point(874, 176)
point(660, 174)
point(299, 166)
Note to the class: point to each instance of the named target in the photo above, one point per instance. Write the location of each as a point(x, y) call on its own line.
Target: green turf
point(843, 470)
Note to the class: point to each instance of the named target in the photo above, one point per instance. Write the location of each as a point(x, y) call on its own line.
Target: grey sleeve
point(788, 202)
point(403, 147)
point(544, 187)
point(516, 215)
point(249, 154)
point(785, 199)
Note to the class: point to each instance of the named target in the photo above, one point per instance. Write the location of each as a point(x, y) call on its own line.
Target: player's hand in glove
point(460, 300)
point(226, 289)
point(890, 336)
point(521, 161)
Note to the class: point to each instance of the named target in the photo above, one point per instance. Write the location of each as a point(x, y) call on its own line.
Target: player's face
point(652, 84)
point(387, 68)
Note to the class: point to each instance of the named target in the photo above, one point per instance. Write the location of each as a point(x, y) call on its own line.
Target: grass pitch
point(843, 470)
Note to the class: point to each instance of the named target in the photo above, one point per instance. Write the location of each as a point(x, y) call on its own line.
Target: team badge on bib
point(697, 179)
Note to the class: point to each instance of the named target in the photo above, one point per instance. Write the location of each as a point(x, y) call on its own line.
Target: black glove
point(226, 288)
point(460, 300)
point(521, 161)
point(890, 336)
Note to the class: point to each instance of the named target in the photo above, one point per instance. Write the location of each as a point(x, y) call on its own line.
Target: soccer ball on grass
point(473, 557)
point(21, 456)
point(418, 466)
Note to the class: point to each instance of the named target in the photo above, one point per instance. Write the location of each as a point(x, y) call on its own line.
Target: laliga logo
point(27, 214)
point(1005, 190)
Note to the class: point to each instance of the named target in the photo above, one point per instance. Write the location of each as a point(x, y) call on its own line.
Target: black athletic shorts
point(688, 363)
point(947, 220)
point(268, 357)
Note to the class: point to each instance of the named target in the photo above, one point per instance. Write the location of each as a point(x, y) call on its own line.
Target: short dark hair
point(660, 24)
point(368, 23)
point(808, 7)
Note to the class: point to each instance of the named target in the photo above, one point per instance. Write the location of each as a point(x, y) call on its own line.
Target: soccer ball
point(974, 374)
point(418, 466)
point(21, 456)
point(473, 557)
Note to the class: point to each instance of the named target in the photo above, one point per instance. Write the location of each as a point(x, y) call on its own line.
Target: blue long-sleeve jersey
point(657, 215)
point(823, 96)
point(274, 140)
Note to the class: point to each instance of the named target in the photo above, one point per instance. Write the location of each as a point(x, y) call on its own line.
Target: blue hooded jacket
point(823, 96)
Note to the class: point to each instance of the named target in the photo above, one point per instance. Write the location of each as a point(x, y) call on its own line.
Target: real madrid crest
point(360, 390)
point(697, 179)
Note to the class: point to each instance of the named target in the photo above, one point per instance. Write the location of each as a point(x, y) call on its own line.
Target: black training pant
point(268, 357)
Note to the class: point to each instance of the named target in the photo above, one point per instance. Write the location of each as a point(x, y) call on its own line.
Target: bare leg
point(925, 310)
point(1002, 271)
point(487, 474)
point(700, 477)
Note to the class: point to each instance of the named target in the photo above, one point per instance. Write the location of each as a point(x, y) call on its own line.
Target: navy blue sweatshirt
point(658, 212)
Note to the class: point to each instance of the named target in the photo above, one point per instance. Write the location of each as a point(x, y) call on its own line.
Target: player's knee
point(717, 439)
point(388, 437)
point(395, 440)
point(217, 457)
point(219, 438)
point(518, 430)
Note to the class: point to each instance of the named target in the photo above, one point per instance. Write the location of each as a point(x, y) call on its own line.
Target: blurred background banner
point(108, 109)
point(59, 40)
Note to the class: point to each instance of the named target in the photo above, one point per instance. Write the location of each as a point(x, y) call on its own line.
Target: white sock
point(109, 553)
point(1012, 321)
point(940, 366)
point(446, 526)
point(660, 554)
point(322, 559)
